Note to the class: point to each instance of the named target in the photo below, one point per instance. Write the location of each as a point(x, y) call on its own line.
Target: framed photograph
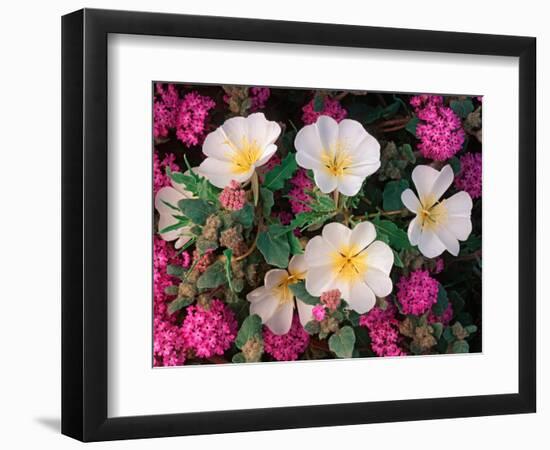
point(273, 224)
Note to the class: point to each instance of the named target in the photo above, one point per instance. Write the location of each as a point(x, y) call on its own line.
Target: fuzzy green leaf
point(392, 194)
point(213, 276)
point(171, 290)
point(342, 342)
point(245, 216)
point(176, 271)
point(275, 178)
point(267, 201)
point(442, 302)
point(294, 243)
point(318, 102)
point(397, 237)
point(460, 346)
point(238, 358)
point(251, 328)
point(179, 303)
point(462, 107)
point(274, 246)
point(397, 261)
point(299, 290)
point(228, 253)
point(411, 125)
point(196, 210)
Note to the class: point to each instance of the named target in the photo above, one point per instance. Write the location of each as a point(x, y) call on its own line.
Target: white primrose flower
point(341, 155)
point(237, 148)
point(274, 301)
point(439, 224)
point(166, 203)
point(351, 261)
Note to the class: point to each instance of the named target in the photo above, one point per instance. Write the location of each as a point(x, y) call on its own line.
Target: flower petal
point(429, 244)
point(368, 149)
point(297, 266)
point(461, 227)
point(448, 240)
point(261, 130)
point(362, 235)
point(361, 298)
point(325, 181)
point(319, 279)
point(304, 312)
point(379, 256)
point(349, 184)
point(274, 278)
point(459, 205)
point(220, 173)
point(235, 130)
point(337, 235)
point(168, 195)
point(442, 182)
point(317, 252)
point(281, 320)
point(308, 161)
point(183, 239)
point(414, 231)
point(378, 281)
point(328, 130)
point(410, 200)
point(265, 307)
point(268, 152)
point(423, 178)
point(257, 294)
point(165, 220)
point(216, 145)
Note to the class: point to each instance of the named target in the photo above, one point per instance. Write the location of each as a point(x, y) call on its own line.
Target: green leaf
point(397, 261)
point(354, 317)
point(460, 346)
point(342, 342)
point(213, 276)
point(267, 201)
point(462, 107)
point(471, 329)
point(391, 110)
point(274, 246)
point(312, 327)
point(438, 330)
point(171, 290)
point(179, 303)
point(455, 164)
point(408, 153)
point(299, 290)
point(228, 253)
point(275, 178)
point(245, 216)
point(294, 243)
point(238, 358)
point(251, 328)
point(392, 194)
point(318, 102)
point(196, 210)
point(176, 271)
point(442, 302)
point(398, 238)
point(411, 125)
point(194, 183)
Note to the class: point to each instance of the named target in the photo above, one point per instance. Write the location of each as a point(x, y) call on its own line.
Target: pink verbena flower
point(209, 331)
point(165, 110)
point(331, 108)
point(469, 177)
point(440, 130)
point(286, 347)
point(445, 318)
point(258, 97)
point(298, 196)
point(439, 266)
point(192, 117)
point(168, 344)
point(318, 312)
point(383, 330)
point(417, 293)
point(160, 179)
point(233, 197)
point(331, 299)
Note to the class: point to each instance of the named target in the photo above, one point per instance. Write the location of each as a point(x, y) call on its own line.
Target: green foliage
point(312, 327)
point(251, 328)
point(238, 358)
point(274, 246)
point(396, 237)
point(322, 208)
point(179, 303)
point(244, 216)
point(176, 226)
point(267, 201)
point(199, 186)
point(397, 261)
point(455, 164)
point(342, 342)
point(196, 210)
point(276, 177)
point(368, 114)
point(299, 290)
point(442, 302)
point(228, 253)
point(171, 290)
point(213, 276)
point(294, 243)
point(462, 107)
point(392, 194)
point(411, 125)
point(318, 102)
point(176, 271)
point(460, 347)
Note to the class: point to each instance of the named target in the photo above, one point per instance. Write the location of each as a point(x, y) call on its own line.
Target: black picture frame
point(84, 224)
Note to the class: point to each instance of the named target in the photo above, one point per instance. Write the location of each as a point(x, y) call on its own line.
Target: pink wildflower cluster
point(202, 262)
point(286, 347)
point(160, 179)
point(331, 299)
point(258, 97)
point(318, 312)
point(440, 130)
point(331, 108)
point(187, 115)
point(417, 293)
point(383, 330)
point(445, 318)
point(209, 331)
point(298, 196)
point(439, 266)
point(469, 177)
point(169, 344)
point(233, 197)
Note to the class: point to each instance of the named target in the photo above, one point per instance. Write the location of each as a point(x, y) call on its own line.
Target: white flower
point(166, 203)
point(351, 261)
point(341, 155)
point(438, 225)
point(274, 301)
point(237, 148)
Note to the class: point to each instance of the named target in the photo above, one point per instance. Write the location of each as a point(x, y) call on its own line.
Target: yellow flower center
point(349, 263)
point(432, 216)
point(284, 294)
point(244, 156)
point(336, 159)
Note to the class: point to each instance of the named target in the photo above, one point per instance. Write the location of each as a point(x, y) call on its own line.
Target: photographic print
point(312, 224)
